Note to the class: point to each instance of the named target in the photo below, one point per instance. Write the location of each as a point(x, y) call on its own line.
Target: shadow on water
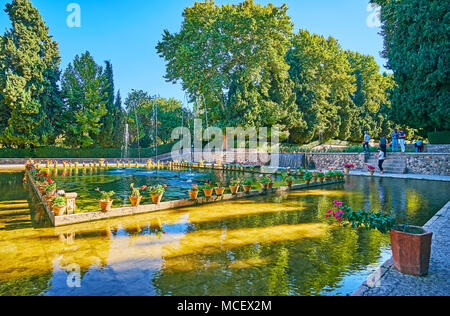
point(272, 245)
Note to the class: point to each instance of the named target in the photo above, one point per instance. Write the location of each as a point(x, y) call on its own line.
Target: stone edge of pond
point(376, 279)
point(163, 206)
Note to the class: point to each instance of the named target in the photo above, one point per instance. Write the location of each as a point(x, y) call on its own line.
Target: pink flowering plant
point(371, 168)
point(349, 166)
point(381, 220)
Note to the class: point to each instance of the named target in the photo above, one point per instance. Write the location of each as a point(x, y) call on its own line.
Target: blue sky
point(126, 33)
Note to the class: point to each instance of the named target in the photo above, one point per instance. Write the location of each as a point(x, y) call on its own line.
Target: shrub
point(439, 137)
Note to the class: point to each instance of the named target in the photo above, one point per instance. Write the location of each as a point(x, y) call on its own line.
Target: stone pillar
point(71, 205)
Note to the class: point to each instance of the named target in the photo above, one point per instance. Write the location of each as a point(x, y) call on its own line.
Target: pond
point(179, 182)
point(272, 245)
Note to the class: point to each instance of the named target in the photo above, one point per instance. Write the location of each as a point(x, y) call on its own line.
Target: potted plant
point(247, 185)
point(339, 174)
point(411, 245)
point(265, 181)
point(105, 200)
point(234, 185)
point(136, 197)
point(193, 192)
point(320, 176)
point(59, 205)
point(307, 177)
point(157, 192)
point(208, 188)
point(289, 179)
point(347, 168)
point(50, 188)
point(219, 189)
point(329, 175)
point(371, 169)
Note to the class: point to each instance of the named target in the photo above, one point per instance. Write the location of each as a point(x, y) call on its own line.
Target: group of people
point(398, 137)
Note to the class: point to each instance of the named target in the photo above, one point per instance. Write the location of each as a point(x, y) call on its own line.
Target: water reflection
point(274, 245)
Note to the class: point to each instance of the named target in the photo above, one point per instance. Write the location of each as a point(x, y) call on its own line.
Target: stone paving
point(403, 176)
point(387, 281)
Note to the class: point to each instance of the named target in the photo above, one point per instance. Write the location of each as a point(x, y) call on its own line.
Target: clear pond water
point(273, 245)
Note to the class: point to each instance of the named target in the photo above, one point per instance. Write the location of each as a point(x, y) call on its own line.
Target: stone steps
point(394, 163)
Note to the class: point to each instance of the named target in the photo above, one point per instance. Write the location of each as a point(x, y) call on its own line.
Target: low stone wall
point(430, 164)
point(435, 148)
point(334, 160)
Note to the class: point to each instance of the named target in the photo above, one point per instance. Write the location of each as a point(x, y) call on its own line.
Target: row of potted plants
point(48, 188)
point(156, 193)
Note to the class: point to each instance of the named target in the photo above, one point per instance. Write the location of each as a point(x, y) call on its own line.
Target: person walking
point(394, 137)
point(366, 142)
point(402, 138)
point(384, 144)
point(381, 157)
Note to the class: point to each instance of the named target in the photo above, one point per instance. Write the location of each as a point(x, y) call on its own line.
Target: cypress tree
point(29, 61)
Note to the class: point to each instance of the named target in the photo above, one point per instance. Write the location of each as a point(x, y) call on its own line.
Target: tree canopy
point(417, 46)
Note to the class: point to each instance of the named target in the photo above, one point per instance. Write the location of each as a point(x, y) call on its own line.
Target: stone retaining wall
point(334, 160)
point(430, 164)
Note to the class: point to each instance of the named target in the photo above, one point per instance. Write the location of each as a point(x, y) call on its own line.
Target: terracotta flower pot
point(105, 205)
point(270, 185)
point(314, 179)
point(247, 188)
point(208, 192)
point(371, 172)
point(59, 210)
point(219, 191)
point(347, 170)
point(193, 194)
point(264, 186)
point(307, 181)
point(321, 179)
point(156, 198)
point(135, 200)
point(234, 189)
point(411, 252)
point(289, 183)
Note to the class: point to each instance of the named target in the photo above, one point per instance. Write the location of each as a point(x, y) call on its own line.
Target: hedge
point(66, 153)
point(439, 137)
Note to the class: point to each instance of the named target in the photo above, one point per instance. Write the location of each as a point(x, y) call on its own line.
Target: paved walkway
point(402, 176)
point(387, 281)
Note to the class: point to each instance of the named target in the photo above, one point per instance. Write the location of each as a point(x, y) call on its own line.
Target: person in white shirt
point(381, 157)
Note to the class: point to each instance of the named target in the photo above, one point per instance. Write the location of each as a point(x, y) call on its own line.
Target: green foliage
point(170, 112)
point(380, 220)
point(84, 90)
point(417, 46)
point(111, 132)
point(230, 61)
point(439, 137)
point(323, 85)
point(29, 61)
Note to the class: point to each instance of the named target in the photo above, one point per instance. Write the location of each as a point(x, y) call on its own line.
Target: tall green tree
point(323, 84)
point(112, 123)
point(84, 92)
point(230, 61)
point(417, 46)
point(371, 97)
point(29, 72)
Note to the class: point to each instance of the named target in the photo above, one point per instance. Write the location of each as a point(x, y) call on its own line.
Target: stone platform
point(387, 281)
